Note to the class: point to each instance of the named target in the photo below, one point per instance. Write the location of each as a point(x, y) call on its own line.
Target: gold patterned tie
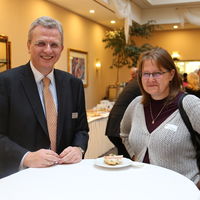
point(51, 113)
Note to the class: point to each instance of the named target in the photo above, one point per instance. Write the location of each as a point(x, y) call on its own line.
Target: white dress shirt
point(38, 79)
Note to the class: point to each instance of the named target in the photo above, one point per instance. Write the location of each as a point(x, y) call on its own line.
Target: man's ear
point(28, 46)
point(62, 48)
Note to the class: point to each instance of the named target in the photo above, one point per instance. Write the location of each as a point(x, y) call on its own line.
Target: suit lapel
point(31, 91)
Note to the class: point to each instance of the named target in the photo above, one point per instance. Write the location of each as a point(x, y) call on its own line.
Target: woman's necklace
point(154, 119)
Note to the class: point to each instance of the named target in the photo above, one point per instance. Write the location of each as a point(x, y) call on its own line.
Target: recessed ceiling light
point(175, 26)
point(92, 11)
point(112, 21)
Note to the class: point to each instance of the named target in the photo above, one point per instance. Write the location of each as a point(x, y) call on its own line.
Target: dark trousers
point(117, 141)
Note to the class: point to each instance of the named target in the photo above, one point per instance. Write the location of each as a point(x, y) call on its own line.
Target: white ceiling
point(103, 12)
point(165, 3)
point(162, 11)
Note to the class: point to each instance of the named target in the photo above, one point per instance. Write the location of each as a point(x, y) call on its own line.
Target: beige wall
point(186, 42)
point(79, 33)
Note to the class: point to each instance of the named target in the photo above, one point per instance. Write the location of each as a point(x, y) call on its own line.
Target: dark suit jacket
point(131, 91)
point(23, 124)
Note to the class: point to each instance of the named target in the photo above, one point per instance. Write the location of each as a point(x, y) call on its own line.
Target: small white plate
point(125, 162)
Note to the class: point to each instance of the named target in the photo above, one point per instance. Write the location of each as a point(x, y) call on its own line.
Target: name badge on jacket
point(74, 115)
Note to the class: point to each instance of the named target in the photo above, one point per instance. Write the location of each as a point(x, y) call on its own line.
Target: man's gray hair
point(46, 22)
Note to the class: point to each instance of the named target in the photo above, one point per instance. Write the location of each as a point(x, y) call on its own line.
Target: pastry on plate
point(113, 159)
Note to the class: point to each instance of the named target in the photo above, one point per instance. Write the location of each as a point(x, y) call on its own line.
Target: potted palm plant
point(127, 54)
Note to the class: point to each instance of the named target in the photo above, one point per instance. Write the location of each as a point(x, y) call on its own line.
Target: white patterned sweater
point(169, 145)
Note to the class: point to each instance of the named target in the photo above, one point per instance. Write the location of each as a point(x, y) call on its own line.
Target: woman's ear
point(172, 72)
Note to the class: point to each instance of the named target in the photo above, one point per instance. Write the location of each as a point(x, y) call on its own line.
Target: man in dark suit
point(24, 133)
point(130, 91)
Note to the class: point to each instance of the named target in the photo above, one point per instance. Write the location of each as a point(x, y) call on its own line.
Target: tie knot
point(46, 81)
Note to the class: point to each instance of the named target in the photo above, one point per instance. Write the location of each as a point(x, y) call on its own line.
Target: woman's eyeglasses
point(156, 75)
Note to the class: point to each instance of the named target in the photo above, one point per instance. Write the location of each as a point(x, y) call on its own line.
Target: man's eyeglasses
point(43, 44)
point(156, 75)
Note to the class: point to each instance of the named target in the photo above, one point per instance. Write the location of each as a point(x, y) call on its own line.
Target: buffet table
point(98, 143)
point(87, 180)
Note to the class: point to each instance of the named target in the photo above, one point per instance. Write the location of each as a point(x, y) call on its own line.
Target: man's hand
point(70, 155)
point(41, 158)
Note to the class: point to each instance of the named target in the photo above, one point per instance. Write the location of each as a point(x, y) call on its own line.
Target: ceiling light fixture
point(175, 26)
point(91, 11)
point(112, 21)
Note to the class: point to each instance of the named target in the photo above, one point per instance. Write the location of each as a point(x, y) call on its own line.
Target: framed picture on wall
point(78, 64)
point(5, 61)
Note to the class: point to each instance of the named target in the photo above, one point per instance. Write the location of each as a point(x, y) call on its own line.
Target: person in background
point(185, 81)
point(198, 72)
point(130, 91)
point(152, 128)
point(133, 73)
point(29, 135)
point(193, 86)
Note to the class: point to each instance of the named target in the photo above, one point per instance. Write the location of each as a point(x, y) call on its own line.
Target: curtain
point(123, 9)
point(191, 15)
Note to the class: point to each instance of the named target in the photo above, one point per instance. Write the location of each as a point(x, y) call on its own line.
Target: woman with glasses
point(152, 128)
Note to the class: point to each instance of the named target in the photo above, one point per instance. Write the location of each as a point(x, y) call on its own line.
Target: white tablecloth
point(98, 143)
point(85, 181)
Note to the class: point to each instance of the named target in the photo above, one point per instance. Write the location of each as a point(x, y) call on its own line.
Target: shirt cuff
point(21, 166)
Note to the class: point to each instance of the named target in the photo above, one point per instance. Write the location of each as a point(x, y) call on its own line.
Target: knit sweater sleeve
point(191, 105)
point(126, 124)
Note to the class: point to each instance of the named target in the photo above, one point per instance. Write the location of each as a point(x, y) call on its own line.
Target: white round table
point(86, 181)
